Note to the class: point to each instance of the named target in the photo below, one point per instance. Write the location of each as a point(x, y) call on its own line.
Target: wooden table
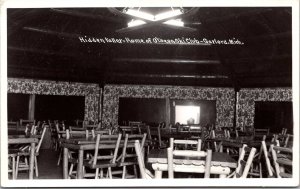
point(221, 163)
point(82, 144)
point(22, 139)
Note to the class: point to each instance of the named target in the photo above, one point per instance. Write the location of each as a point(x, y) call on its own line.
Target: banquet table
point(221, 163)
point(23, 139)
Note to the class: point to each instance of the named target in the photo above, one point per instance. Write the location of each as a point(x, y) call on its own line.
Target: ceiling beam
point(169, 76)
point(269, 36)
point(39, 51)
point(234, 15)
point(157, 60)
point(51, 32)
point(264, 58)
point(86, 15)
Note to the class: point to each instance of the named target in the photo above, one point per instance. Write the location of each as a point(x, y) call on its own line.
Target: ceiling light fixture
point(176, 22)
point(168, 14)
point(154, 18)
point(134, 23)
point(140, 14)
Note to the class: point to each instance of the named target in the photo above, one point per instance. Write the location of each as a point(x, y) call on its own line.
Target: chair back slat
point(111, 156)
point(266, 155)
point(172, 151)
point(41, 140)
point(186, 143)
point(244, 162)
point(128, 151)
point(145, 174)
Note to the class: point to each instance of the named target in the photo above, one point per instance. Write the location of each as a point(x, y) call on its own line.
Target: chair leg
point(59, 157)
point(109, 172)
point(135, 171)
point(101, 173)
point(36, 167)
point(260, 171)
point(124, 172)
point(13, 168)
point(17, 166)
point(97, 173)
point(71, 169)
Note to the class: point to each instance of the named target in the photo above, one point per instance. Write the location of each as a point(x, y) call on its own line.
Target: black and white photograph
point(149, 93)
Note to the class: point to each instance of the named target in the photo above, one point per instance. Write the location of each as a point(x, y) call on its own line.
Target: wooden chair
point(266, 154)
point(231, 148)
point(145, 173)
point(244, 162)
point(101, 132)
point(286, 140)
point(261, 132)
point(128, 156)
point(172, 167)
point(284, 131)
point(103, 159)
point(13, 126)
point(218, 134)
point(161, 143)
point(73, 157)
point(282, 160)
point(25, 152)
point(59, 127)
point(54, 138)
point(150, 142)
point(24, 123)
point(256, 167)
point(186, 144)
point(12, 163)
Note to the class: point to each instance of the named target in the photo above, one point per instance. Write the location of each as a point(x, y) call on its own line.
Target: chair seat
point(128, 163)
point(286, 175)
point(100, 164)
point(73, 160)
point(13, 152)
point(284, 161)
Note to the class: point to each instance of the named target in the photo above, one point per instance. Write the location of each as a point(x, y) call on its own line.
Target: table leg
point(222, 176)
point(65, 163)
point(80, 164)
point(158, 174)
point(31, 160)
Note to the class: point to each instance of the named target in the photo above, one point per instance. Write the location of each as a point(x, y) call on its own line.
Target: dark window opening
point(147, 110)
point(274, 115)
point(17, 106)
point(55, 107)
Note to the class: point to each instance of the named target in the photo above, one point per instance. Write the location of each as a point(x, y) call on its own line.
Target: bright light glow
point(168, 14)
point(135, 23)
point(150, 17)
point(183, 113)
point(140, 14)
point(175, 23)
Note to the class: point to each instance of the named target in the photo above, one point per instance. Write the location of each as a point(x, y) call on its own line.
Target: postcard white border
point(138, 182)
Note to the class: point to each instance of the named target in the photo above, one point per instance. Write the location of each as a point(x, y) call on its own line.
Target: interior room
point(150, 93)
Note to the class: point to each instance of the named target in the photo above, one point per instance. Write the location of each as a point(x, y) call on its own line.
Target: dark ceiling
point(43, 43)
